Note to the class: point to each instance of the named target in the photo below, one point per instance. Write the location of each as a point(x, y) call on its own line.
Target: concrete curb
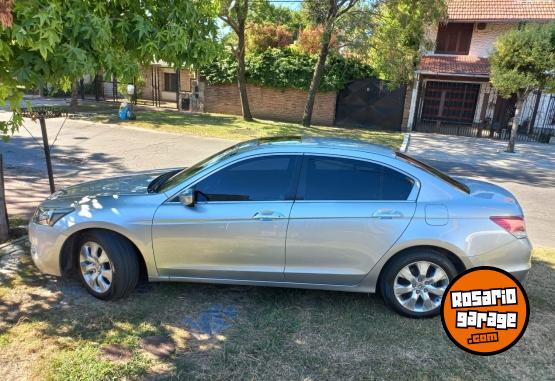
point(406, 142)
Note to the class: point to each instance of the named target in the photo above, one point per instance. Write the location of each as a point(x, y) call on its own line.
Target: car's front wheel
point(107, 265)
point(413, 284)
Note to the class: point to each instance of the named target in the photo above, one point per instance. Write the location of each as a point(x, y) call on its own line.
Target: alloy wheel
point(420, 285)
point(96, 267)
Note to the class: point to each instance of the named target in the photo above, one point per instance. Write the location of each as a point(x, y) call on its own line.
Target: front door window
point(269, 178)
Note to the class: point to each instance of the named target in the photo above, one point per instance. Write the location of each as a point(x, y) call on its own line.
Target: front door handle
point(267, 215)
point(387, 214)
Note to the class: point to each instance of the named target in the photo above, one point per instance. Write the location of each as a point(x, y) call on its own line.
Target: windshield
point(434, 172)
point(186, 173)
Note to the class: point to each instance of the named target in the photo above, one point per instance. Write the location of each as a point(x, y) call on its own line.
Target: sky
point(287, 4)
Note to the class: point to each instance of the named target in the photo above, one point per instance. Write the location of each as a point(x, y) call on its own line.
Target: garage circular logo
point(485, 311)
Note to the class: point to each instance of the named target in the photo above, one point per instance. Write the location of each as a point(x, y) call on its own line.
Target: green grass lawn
point(51, 329)
point(229, 126)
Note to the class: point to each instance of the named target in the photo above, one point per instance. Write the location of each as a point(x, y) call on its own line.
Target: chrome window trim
point(413, 196)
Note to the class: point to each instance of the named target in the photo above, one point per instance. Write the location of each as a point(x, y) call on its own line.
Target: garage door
point(451, 102)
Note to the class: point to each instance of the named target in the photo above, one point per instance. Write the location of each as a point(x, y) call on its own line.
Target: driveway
point(529, 173)
point(85, 151)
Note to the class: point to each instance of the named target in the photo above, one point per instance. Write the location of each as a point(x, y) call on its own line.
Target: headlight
point(49, 216)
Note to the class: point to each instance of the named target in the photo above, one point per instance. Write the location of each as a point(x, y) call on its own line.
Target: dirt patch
point(158, 346)
point(116, 352)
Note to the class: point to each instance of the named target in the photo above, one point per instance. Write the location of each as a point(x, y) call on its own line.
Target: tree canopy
point(265, 12)
point(56, 41)
point(398, 35)
point(524, 60)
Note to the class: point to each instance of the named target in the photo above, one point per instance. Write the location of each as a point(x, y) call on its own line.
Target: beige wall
point(185, 83)
point(406, 108)
point(483, 41)
point(268, 103)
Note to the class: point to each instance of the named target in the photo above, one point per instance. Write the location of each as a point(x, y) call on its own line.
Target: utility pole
point(47, 154)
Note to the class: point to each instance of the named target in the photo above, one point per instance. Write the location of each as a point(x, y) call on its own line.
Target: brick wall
point(268, 103)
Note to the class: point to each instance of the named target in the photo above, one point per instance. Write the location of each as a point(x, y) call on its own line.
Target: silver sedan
point(314, 213)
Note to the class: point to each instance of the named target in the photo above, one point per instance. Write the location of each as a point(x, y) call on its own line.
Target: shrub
point(286, 68)
point(261, 37)
point(309, 40)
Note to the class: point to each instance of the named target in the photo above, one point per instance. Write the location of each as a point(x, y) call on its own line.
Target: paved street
point(85, 150)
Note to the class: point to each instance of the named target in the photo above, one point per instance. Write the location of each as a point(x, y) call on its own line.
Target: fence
point(115, 91)
point(482, 130)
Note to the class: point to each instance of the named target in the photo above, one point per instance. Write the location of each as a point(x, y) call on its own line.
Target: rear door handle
point(387, 214)
point(267, 215)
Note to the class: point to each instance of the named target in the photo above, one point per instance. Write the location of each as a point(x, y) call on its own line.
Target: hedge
point(286, 68)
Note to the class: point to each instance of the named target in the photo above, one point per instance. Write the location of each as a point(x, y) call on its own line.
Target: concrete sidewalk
point(529, 173)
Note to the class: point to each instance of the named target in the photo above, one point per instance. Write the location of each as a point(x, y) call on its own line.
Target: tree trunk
point(74, 96)
point(317, 77)
point(516, 122)
point(241, 77)
point(4, 222)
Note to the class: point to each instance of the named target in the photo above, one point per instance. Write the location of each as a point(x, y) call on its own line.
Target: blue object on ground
point(123, 109)
point(214, 320)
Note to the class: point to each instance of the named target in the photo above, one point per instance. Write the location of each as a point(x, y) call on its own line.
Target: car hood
point(122, 185)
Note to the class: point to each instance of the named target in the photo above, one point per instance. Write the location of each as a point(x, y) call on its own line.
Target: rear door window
point(333, 178)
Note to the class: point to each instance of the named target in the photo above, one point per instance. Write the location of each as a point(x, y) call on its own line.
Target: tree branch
point(229, 22)
point(351, 4)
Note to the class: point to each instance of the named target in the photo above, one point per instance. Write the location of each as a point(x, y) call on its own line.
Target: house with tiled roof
point(452, 85)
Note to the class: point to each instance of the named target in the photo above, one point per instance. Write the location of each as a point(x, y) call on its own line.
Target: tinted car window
point(325, 178)
point(268, 178)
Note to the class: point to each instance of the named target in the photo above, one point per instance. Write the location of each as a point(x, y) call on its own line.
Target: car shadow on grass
point(232, 332)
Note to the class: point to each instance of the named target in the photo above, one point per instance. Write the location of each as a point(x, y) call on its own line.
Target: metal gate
point(368, 103)
point(451, 102)
point(499, 127)
point(109, 88)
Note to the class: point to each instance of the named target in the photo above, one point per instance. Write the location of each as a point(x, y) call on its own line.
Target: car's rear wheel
point(413, 284)
point(107, 265)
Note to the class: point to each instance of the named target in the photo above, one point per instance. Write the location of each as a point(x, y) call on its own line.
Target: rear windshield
point(434, 172)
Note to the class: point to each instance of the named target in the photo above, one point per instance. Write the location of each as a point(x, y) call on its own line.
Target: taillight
point(513, 224)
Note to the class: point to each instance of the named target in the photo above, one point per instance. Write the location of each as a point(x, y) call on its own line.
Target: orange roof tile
point(500, 10)
point(465, 65)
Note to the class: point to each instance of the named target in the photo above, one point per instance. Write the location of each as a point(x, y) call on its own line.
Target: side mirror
point(188, 197)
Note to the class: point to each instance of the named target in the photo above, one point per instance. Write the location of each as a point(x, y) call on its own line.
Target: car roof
point(314, 142)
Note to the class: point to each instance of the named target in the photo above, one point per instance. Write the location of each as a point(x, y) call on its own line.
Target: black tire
point(124, 264)
point(397, 264)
